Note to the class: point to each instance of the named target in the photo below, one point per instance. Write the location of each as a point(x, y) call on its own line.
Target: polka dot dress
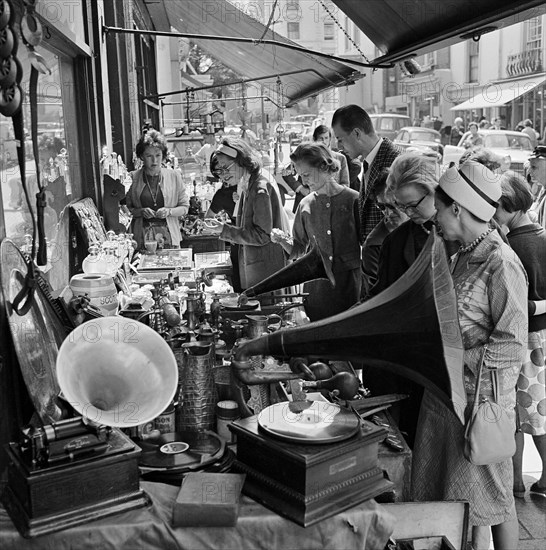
point(531, 387)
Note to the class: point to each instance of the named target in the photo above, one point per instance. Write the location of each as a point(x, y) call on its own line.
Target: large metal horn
point(411, 328)
point(117, 372)
point(307, 268)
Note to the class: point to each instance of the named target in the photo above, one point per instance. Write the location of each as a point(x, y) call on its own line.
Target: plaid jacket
point(370, 216)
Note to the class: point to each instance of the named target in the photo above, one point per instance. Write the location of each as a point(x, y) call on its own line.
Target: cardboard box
point(208, 500)
point(431, 525)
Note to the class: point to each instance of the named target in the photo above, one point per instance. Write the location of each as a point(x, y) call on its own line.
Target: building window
point(473, 58)
point(428, 61)
point(293, 31)
point(347, 30)
point(329, 31)
point(356, 35)
point(534, 33)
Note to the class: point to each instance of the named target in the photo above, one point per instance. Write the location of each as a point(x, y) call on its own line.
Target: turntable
point(309, 460)
point(168, 457)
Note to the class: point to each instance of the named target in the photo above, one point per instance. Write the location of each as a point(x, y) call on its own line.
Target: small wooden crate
point(431, 525)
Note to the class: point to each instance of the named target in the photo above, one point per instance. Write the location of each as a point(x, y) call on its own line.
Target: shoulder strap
point(478, 382)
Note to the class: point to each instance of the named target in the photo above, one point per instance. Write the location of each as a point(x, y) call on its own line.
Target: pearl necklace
point(422, 226)
point(471, 246)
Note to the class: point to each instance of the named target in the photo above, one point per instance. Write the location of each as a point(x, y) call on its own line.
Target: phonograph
point(299, 460)
point(116, 373)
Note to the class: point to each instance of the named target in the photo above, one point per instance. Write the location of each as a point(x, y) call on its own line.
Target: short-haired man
point(356, 136)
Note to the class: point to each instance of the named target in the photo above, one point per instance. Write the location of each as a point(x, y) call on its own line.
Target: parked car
point(234, 131)
point(417, 138)
point(514, 148)
point(307, 135)
point(306, 119)
point(388, 125)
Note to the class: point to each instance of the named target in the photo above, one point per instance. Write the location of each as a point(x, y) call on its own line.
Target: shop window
point(57, 150)
point(293, 31)
point(146, 79)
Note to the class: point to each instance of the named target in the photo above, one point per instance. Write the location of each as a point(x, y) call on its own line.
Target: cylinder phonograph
point(116, 373)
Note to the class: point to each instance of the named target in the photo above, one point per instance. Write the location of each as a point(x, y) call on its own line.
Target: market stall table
point(366, 526)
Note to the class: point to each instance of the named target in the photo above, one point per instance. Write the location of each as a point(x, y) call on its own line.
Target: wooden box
point(308, 483)
point(431, 525)
point(203, 243)
point(44, 500)
point(208, 499)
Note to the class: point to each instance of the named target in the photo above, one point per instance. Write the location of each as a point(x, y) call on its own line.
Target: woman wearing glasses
point(259, 211)
point(491, 290)
point(412, 181)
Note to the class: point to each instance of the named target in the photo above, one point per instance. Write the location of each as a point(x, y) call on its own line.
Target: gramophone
point(116, 373)
point(410, 328)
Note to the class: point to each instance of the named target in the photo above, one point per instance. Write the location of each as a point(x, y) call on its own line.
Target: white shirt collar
point(373, 153)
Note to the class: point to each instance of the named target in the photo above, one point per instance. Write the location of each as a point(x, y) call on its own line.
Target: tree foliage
point(206, 64)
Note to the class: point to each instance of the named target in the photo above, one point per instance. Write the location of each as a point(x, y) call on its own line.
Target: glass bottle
point(94, 262)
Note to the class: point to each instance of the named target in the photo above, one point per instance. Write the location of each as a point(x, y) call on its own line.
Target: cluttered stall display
point(155, 368)
point(163, 399)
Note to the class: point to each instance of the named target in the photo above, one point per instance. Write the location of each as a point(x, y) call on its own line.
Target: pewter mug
point(260, 324)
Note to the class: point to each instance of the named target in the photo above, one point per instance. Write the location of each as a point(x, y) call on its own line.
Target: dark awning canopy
point(310, 74)
point(403, 28)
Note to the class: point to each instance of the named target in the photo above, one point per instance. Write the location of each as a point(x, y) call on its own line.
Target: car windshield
point(423, 136)
point(508, 141)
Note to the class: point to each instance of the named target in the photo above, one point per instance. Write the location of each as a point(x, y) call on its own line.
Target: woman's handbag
point(490, 432)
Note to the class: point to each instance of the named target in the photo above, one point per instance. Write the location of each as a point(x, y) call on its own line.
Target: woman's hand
point(280, 237)
point(148, 213)
point(213, 226)
point(162, 213)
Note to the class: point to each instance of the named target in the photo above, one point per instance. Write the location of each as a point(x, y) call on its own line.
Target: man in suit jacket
point(356, 136)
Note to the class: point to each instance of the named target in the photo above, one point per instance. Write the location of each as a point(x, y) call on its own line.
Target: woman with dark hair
point(474, 139)
point(528, 240)
point(259, 211)
point(412, 180)
point(392, 218)
point(157, 197)
point(327, 218)
point(491, 292)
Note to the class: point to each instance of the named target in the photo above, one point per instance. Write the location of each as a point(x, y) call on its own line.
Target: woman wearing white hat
point(491, 289)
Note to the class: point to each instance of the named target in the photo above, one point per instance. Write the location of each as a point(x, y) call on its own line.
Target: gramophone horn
point(411, 328)
point(117, 372)
point(307, 268)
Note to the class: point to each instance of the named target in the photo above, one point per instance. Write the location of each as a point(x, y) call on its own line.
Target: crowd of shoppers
point(493, 228)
